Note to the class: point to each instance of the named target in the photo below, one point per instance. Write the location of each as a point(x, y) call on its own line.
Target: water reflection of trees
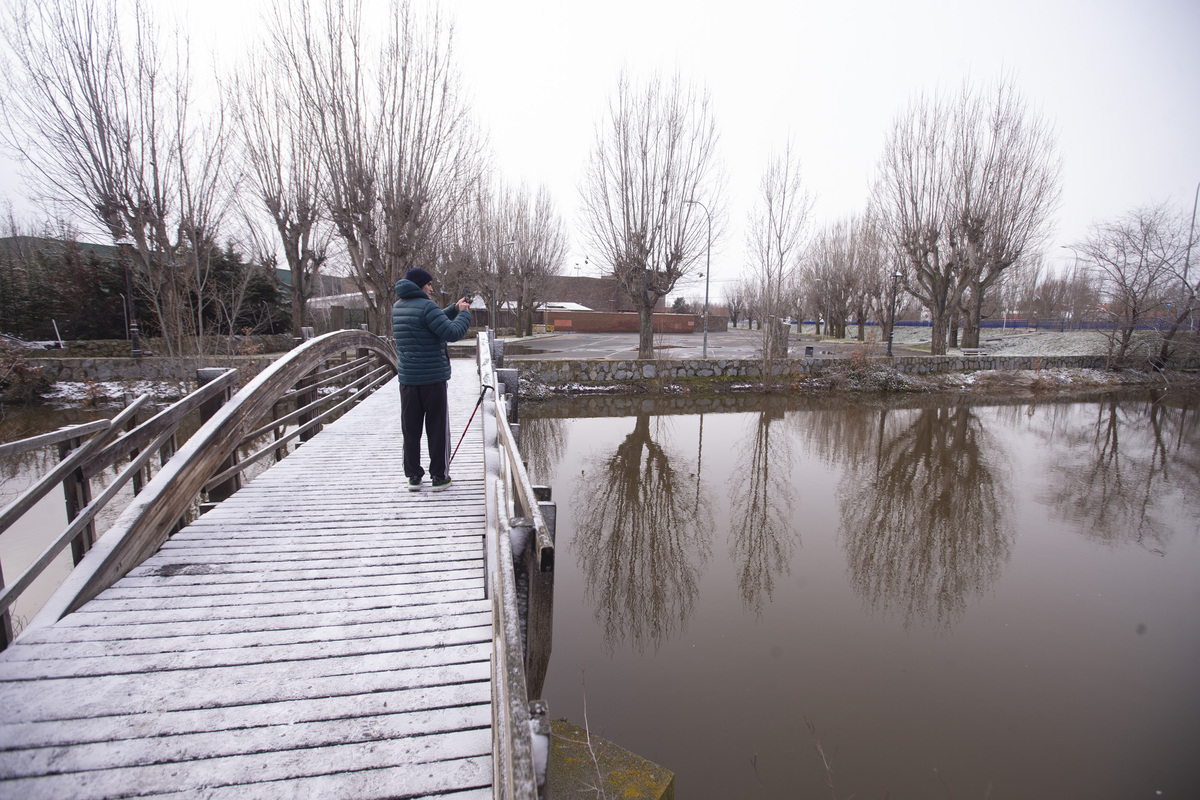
point(543, 443)
point(1122, 477)
point(925, 523)
point(643, 539)
point(763, 533)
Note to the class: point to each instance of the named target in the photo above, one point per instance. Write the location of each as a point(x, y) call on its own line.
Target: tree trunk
point(297, 306)
point(645, 331)
point(970, 337)
point(941, 323)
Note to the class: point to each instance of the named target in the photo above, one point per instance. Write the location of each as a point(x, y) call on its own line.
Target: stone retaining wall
point(144, 369)
point(553, 371)
point(119, 348)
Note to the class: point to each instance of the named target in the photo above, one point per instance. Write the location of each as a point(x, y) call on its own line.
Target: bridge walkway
point(322, 633)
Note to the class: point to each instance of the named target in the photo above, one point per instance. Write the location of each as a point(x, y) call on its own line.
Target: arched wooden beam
point(147, 521)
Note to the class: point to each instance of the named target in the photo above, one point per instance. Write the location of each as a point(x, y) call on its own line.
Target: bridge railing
point(316, 381)
point(83, 459)
point(520, 556)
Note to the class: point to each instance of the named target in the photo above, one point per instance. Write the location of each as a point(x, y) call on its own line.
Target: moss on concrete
point(618, 773)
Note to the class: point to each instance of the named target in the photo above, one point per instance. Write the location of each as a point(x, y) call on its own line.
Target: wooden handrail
point(513, 771)
point(54, 437)
point(376, 378)
point(147, 521)
point(9, 595)
point(13, 511)
point(151, 429)
point(301, 410)
point(524, 499)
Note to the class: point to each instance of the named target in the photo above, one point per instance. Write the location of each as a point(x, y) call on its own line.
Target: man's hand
point(462, 305)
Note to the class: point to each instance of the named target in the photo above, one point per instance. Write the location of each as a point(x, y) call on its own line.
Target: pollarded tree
point(284, 162)
point(653, 164)
point(911, 200)
point(399, 149)
point(735, 302)
point(1006, 182)
point(108, 126)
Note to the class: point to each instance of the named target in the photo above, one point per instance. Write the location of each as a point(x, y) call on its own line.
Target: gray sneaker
point(414, 484)
point(441, 483)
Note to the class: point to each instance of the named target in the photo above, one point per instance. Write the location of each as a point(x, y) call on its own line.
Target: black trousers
point(425, 406)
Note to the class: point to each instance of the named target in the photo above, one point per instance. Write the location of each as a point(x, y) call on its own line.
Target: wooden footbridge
point(317, 632)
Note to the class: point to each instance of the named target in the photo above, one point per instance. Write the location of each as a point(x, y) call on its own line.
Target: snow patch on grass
point(75, 392)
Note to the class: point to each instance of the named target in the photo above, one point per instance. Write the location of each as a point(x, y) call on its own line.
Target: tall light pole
point(896, 276)
point(707, 272)
point(123, 244)
point(1074, 274)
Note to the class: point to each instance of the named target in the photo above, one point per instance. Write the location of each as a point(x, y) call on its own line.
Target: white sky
point(1119, 80)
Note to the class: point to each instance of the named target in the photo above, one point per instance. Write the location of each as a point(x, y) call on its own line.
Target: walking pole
point(464, 433)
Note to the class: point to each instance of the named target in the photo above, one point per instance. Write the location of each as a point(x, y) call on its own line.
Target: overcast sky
point(1120, 81)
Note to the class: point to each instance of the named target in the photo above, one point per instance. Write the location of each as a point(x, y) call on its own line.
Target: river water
point(936, 598)
point(788, 598)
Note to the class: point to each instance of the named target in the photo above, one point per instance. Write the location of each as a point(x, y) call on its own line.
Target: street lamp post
point(1074, 274)
point(707, 272)
point(896, 276)
point(123, 245)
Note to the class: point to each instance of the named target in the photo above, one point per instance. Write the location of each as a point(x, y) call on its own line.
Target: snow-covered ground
point(1024, 342)
point(77, 392)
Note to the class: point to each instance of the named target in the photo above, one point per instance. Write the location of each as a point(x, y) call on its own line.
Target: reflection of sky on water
point(932, 586)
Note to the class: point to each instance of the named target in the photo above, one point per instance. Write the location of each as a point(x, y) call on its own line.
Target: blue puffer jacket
point(421, 330)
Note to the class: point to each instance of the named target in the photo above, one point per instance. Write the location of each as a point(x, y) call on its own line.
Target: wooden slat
point(323, 632)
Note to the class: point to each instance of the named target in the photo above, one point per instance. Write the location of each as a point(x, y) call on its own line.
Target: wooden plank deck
point(322, 633)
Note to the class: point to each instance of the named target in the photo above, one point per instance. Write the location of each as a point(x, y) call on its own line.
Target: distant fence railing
point(1053, 324)
point(289, 400)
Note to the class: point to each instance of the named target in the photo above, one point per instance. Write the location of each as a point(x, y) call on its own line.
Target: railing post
point(77, 490)
point(227, 488)
point(303, 398)
point(6, 631)
point(277, 434)
point(140, 478)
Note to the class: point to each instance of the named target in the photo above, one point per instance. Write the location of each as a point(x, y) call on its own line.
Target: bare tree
point(735, 302)
point(878, 275)
point(398, 147)
point(844, 274)
point(775, 238)
point(540, 245)
point(654, 160)
point(284, 166)
point(1182, 298)
point(1006, 183)
point(966, 188)
point(1136, 257)
point(910, 197)
point(96, 112)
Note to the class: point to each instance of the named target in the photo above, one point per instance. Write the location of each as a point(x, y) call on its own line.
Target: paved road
point(727, 344)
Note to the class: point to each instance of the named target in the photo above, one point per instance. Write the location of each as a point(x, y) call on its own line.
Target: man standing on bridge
point(421, 330)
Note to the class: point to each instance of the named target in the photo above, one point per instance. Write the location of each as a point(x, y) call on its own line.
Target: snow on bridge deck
point(322, 633)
